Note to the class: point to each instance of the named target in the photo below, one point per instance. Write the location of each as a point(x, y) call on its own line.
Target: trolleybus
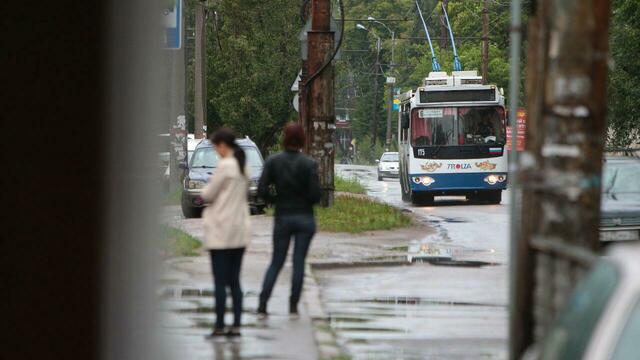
point(451, 137)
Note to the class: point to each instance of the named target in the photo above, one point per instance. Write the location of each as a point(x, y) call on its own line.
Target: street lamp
point(393, 37)
point(390, 83)
point(374, 118)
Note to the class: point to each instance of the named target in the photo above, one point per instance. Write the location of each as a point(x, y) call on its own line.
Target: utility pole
point(200, 101)
point(566, 87)
point(389, 107)
point(443, 26)
point(317, 104)
point(374, 118)
point(485, 42)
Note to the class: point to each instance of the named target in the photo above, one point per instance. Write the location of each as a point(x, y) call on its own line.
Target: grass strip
point(178, 243)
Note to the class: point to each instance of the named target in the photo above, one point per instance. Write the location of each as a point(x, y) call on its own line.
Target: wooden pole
point(485, 42)
point(319, 102)
point(561, 167)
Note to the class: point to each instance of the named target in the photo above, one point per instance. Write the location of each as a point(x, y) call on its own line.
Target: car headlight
point(424, 180)
point(494, 179)
point(253, 185)
point(195, 184)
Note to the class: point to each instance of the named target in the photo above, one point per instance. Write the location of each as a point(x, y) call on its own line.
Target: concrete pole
point(485, 42)
point(319, 102)
point(200, 101)
point(561, 168)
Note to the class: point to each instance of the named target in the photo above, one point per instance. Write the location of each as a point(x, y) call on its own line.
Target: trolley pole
point(317, 96)
point(561, 168)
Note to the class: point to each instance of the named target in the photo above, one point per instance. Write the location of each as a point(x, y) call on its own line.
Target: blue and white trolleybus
point(451, 134)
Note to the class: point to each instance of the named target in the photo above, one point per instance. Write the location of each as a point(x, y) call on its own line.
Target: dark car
point(203, 164)
point(620, 211)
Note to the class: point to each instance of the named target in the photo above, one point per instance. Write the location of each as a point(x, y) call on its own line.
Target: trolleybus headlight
point(494, 179)
point(426, 180)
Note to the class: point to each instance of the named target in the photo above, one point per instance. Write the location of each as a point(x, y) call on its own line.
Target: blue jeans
point(301, 227)
point(226, 264)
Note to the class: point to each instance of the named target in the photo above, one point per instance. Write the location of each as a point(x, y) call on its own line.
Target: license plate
point(621, 235)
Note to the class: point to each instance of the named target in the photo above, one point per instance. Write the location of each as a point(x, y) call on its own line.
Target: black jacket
point(290, 181)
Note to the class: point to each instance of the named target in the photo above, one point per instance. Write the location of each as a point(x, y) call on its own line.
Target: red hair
point(293, 137)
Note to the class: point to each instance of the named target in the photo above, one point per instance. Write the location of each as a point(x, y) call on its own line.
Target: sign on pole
point(172, 26)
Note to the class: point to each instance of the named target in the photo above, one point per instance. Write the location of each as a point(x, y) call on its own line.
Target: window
point(627, 347)
point(457, 126)
point(433, 126)
point(204, 157)
point(389, 158)
point(621, 178)
point(253, 156)
point(481, 125)
point(571, 332)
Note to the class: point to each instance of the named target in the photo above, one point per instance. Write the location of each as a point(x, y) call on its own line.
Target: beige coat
point(226, 218)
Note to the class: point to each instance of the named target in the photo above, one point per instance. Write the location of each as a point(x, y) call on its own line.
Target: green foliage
point(366, 152)
point(253, 57)
point(354, 215)
point(624, 77)
point(349, 185)
point(179, 243)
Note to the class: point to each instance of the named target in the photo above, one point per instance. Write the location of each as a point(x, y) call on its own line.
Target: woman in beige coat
point(226, 226)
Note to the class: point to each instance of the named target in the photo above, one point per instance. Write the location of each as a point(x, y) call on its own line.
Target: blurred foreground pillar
point(560, 169)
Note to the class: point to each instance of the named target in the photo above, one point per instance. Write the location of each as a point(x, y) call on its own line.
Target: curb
point(325, 338)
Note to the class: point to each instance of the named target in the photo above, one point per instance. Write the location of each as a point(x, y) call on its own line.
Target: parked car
point(601, 320)
point(202, 165)
point(620, 210)
point(388, 165)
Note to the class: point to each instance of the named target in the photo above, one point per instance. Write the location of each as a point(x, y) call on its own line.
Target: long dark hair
point(227, 137)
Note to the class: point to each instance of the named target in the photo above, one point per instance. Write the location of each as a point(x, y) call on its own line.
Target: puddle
point(411, 300)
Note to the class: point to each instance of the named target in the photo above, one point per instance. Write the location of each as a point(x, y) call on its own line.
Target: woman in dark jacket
point(290, 182)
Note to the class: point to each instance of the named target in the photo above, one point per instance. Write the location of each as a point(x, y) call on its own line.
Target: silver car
point(388, 165)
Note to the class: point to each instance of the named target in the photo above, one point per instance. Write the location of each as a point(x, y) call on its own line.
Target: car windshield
point(205, 157)
point(621, 177)
point(389, 158)
point(457, 126)
point(253, 156)
point(571, 332)
point(627, 347)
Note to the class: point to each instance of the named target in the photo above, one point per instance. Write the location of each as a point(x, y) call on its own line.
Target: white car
point(601, 320)
point(388, 165)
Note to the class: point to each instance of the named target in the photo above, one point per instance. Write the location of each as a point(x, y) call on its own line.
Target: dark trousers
point(226, 264)
point(302, 228)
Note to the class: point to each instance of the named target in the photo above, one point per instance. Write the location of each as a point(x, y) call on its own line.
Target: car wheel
point(190, 212)
point(380, 178)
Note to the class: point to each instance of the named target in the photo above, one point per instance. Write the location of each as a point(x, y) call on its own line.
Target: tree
point(253, 58)
point(624, 76)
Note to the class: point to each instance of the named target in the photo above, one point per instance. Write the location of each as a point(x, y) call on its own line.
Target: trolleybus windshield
point(457, 126)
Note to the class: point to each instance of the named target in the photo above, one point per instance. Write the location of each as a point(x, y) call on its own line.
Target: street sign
point(172, 26)
point(391, 80)
point(296, 102)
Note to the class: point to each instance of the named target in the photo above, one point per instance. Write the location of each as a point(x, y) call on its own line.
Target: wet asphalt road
point(425, 310)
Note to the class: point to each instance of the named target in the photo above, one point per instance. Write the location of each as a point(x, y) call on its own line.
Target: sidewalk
point(187, 307)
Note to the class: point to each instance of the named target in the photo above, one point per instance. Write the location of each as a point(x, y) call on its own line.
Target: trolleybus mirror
point(405, 121)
